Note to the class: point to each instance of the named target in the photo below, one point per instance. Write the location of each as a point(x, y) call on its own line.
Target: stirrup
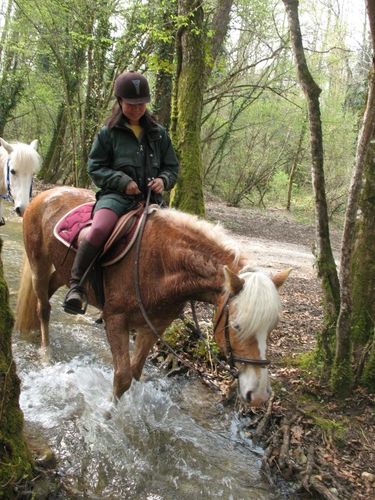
point(76, 305)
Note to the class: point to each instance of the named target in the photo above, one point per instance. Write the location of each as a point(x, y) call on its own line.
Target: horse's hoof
point(2, 221)
point(46, 354)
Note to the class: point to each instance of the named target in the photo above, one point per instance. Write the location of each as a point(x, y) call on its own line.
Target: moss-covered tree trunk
point(196, 55)
point(12, 70)
point(165, 52)
point(363, 278)
point(324, 257)
point(187, 107)
point(341, 372)
point(15, 459)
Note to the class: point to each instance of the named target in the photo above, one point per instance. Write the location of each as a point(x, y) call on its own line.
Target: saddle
point(73, 226)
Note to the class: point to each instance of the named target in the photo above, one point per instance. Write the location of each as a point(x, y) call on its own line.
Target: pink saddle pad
point(69, 226)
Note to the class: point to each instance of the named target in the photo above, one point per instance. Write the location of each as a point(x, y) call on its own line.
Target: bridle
point(262, 363)
point(8, 195)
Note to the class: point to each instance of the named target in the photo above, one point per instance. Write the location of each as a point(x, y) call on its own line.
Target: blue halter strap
point(8, 195)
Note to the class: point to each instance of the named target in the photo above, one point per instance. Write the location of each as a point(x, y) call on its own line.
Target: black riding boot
point(76, 297)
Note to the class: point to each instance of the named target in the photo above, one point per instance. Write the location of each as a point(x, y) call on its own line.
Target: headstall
point(262, 363)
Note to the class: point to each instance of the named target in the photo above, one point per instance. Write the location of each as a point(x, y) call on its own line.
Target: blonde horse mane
point(213, 232)
point(257, 306)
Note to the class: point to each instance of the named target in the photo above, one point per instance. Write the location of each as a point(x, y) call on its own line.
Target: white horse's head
point(21, 162)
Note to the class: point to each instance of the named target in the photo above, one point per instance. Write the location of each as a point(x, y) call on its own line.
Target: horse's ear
point(280, 277)
point(34, 144)
point(6, 146)
point(233, 283)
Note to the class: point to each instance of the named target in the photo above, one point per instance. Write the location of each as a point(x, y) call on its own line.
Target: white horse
point(18, 164)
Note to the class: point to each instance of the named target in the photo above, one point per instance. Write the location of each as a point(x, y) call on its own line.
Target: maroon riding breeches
point(102, 225)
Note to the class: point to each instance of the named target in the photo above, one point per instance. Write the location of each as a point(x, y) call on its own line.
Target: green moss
point(309, 361)
point(342, 378)
point(176, 334)
point(368, 377)
point(333, 428)
point(15, 458)
point(205, 351)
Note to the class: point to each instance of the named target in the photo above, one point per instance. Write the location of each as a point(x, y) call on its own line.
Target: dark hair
point(148, 119)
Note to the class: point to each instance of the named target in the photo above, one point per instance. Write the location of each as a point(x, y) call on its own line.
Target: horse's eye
point(12, 171)
point(236, 326)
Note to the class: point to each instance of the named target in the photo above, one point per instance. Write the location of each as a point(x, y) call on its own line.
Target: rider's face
point(133, 112)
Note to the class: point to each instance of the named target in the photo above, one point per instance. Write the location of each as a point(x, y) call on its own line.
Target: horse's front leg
point(144, 341)
point(118, 338)
point(43, 308)
point(2, 221)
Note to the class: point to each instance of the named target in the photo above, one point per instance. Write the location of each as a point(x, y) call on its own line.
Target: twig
point(264, 422)
point(322, 490)
point(309, 467)
point(284, 450)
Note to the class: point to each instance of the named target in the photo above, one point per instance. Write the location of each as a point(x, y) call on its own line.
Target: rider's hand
point(132, 188)
point(156, 185)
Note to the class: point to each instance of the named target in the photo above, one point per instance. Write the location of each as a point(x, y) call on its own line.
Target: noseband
point(262, 363)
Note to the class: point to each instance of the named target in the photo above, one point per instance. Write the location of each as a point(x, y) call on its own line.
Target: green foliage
point(176, 334)
point(206, 350)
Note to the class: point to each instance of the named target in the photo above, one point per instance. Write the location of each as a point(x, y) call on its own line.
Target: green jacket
point(117, 157)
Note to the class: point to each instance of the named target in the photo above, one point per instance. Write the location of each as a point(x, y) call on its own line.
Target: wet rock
point(47, 460)
point(367, 476)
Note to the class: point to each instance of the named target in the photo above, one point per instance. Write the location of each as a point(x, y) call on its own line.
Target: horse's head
point(247, 311)
point(21, 163)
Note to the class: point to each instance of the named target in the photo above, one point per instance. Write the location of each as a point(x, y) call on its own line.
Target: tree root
point(258, 434)
point(278, 458)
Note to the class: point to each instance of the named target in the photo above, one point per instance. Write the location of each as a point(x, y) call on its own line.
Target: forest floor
point(323, 447)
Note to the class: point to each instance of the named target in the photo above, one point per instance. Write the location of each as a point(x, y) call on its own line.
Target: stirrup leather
point(75, 304)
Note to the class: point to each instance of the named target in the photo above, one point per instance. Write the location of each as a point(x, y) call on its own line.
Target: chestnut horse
point(18, 164)
point(181, 258)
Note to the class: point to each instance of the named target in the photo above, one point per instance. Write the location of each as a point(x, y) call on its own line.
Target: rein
point(139, 295)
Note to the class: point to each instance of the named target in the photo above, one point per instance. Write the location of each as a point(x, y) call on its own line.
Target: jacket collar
point(151, 130)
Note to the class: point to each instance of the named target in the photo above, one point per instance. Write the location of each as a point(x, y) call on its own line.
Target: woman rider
point(131, 154)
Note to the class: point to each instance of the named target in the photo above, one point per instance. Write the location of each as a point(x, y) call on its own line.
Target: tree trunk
point(11, 77)
point(342, 365)
point(363, 274)
point(324, 256)
point(165, 51)
point(15, 458)
point(50, 171)
point(191, 79)
point(187, 108)
point(297, 158)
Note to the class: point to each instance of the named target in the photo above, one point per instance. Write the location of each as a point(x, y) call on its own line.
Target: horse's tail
point(26, 309)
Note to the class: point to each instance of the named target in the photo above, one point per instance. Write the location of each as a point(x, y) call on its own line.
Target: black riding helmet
point(132, 87)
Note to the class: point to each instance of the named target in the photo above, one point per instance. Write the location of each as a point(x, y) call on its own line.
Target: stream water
point(166, 439)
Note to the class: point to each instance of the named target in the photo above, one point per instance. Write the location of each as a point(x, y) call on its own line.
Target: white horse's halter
point(8, 194)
